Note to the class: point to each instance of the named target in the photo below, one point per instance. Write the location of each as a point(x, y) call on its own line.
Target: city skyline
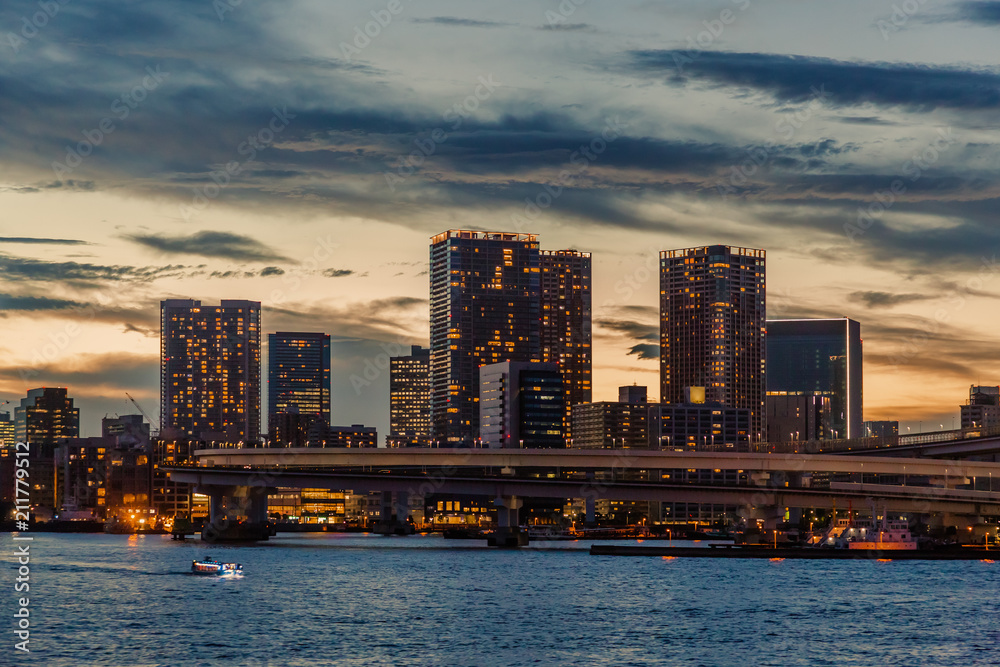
point(280, 157)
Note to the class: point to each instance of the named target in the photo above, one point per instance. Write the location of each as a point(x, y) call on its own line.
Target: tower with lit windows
point(485, 309)
point(566, 336)
point(712, 327)
point(210, 368)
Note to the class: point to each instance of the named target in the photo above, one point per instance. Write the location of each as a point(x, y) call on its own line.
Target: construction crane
point(143, 412)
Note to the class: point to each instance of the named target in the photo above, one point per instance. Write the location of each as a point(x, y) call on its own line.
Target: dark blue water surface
point(328, 599)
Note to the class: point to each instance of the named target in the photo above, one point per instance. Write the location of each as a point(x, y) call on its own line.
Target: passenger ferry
point(878, 535)
point(212, 566)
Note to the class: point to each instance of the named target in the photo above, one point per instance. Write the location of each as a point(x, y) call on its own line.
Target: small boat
point(212, 566)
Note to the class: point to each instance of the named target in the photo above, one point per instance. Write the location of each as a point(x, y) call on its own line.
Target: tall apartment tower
point(410, 399)
point(712, 327)
point(485, 309)
point(210, 368)
point(820, 357)
point(45, 418)
point(566, 336)
point(298, 374)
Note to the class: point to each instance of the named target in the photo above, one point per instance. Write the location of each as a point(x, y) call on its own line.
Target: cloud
point(209, 244)
point(645, 351)
point(460, 22)
point(798, 79)
point(10, 302)
point(87, 373)
point(388, 319)
point(236, 273)
point(982, 12)
point(14, 268)
point(338, 273)
point(41, 241)
point(568, 27)
point(886, 299)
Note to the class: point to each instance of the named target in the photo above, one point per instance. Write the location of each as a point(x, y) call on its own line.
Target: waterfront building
point(298, 381)
point(410, 399)
point(712, 301)
point(484, 309)
point(795, 416)
point(822, 357)
point(521, 405)
point(982, 409)
point(613, 425)
point(881, 429)
point(210, 375)
point(45, 417)
point(566, 332)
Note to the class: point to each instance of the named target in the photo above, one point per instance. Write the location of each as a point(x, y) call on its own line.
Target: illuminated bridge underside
point(902, 499)
point(598, 459)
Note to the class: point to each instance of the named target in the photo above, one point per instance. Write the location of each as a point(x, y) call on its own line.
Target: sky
point(302, 153)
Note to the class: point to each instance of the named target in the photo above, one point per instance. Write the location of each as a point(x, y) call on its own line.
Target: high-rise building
point(410, 399)
point(712, 301)
point(521, 405)
point(7, 430)
point(485, 309)
point(44, 419)
point(697, 424)
point(210, 369)
point(822, 357)
point(566, 336)
point(611, 425)
point(298, 376)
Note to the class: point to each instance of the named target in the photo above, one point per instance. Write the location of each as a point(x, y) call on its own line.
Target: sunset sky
point(276, 152)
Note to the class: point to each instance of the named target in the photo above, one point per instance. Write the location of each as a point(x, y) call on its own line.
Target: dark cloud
point(237, 273)
point(209, 244)
point(460, 22)
point(982, 12)
point(10, 302)
point(635, 330)
point(337, 273)
point(886, 299)
point(40, 241)
point(27, 269)
point(272, 271)
point(798, 79)
point(645, 351)
point(568, 27)
point(393, 318)
point(88, 373)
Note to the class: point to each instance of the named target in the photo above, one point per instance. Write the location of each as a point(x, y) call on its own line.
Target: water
point(365, 600)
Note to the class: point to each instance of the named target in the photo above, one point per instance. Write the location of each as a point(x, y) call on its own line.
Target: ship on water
point(877, 534)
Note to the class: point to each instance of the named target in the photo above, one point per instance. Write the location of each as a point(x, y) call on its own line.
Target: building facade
point(710, 427)
point(798, 416)
point(613, 425)
point(44, 419)
point(484, 309)
point(881, 429)
point(298, 380)
point(210, 370)
point(566, 331)
point(410, 399)
point(712, 327)
point(983, 408)
point(521, 405)
point(7, 429)
point(822, 357)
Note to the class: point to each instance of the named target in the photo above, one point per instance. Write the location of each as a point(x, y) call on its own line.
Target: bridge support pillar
point(226, 506)
point(393, 517)
point(507, 532)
